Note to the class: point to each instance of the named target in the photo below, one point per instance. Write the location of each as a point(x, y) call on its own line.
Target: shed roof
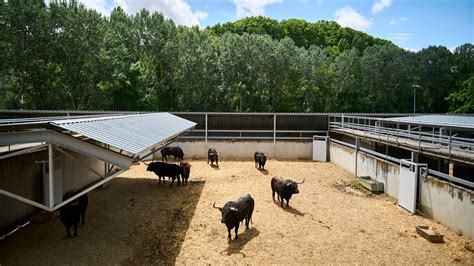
point(461, 121)
point(132, 133)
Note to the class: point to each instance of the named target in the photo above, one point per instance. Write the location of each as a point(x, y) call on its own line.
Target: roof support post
point(51, 175)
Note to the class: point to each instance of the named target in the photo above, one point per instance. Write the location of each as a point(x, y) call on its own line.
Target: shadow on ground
point(129, 221)
point(236, 245)
point(288, 209)
point(263, 171)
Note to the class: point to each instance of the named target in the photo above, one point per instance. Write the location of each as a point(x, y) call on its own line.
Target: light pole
point(414, 96)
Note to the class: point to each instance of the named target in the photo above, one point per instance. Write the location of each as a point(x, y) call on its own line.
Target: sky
point(410, 24)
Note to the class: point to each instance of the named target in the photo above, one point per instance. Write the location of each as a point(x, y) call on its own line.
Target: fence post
point(274, 135)
point(206, 133)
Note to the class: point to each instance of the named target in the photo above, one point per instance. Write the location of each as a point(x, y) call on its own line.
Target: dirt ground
point(133, 220)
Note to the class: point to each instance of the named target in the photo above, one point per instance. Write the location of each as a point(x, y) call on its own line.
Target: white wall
point(447, 203)
point(245, 149)
point(343, 156)
point(377, 169)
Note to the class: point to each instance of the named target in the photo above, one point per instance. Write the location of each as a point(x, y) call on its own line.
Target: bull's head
point(152, 166)
point(227, 213)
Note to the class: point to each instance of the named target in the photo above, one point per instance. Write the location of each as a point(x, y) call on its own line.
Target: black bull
point(213, 156)
point(71, 213)
point(234, 212)
point(285, 188)
point(171, 170)
point(177, 152)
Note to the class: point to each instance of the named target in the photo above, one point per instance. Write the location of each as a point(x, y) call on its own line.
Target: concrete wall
point(245, 149)
point(386, 172)
point(447, 203)
point(450, 204)
point(343, 156)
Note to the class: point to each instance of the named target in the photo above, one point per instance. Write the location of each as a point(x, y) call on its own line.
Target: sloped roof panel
point(132, 133)
point(463, 121)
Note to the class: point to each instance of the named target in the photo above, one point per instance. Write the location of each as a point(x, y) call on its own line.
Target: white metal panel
point(408, 184)
point(320, 148)
point(407, 189)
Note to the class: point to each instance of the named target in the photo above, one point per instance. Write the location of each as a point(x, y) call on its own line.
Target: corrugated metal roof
point(437, 120)
point(132, 133)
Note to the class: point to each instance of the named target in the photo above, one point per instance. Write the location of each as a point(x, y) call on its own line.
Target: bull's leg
point(159, 179)
point(83, 215)
point(75, 228)
point(287, 203)
point(172, 181)
point(217, 162)
point(68, 234)
point(281, 200)
point(236, 231)
point(228, 231)
point(247, 219)
point(177, 177)
point(273, 195)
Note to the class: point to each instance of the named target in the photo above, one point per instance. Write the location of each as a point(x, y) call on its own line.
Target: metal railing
point(432, 137)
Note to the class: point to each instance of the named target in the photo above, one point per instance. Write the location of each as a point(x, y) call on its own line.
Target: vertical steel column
point(419, 137)
point(356, 153)
point(206, 132)
point(450, 140)
point(51, 175)
point(274, 135)
point(433, 136)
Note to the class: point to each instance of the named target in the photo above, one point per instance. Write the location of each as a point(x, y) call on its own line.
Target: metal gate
point(408, 183)
point(320, 148)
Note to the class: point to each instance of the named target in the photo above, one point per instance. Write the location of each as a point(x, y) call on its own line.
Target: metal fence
point(440, 137)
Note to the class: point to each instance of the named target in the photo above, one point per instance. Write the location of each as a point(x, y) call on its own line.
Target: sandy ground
point(133, 220)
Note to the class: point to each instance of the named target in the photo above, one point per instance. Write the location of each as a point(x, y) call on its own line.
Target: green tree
point(462, 101)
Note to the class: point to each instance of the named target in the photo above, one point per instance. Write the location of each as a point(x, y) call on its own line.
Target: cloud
point(396, 21)
point(380, 5)
point(348, 17)
point(177, 10)
point(246, 8)
point(402, 36)
point(411, 49)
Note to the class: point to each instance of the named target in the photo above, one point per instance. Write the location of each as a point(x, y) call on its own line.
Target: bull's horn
point(146, 163)
point(234, 209)
point(214, 205)
point(301, 182)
